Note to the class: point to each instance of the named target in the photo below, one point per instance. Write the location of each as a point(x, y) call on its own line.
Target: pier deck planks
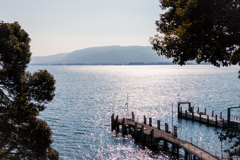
point(161, 134)
point(212, 120)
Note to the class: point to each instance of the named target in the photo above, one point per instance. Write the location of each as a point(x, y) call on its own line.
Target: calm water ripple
point(86, 96)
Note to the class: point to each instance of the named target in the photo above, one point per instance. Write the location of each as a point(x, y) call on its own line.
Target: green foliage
point(231, 135)
point(22, 96)
point(200, 30)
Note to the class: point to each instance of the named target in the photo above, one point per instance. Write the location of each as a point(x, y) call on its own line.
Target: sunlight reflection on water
point(86, 96)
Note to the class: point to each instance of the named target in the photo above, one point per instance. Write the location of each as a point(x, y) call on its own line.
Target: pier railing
point(202, 145)
point(200, 152)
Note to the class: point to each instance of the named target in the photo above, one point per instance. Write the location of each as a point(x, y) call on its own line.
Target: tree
point(204, 31)
point(231, 135)
point(22, 96)
point(200, 30)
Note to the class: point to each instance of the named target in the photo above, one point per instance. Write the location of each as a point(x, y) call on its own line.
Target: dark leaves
point(41, 85)
point(204, 31)
point(231, 135)
point(22, 96)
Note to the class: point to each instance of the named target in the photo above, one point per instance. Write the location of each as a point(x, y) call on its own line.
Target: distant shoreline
point(132, 63)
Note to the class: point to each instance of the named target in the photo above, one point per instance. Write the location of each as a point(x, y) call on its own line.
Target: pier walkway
point(202, 117)
point(144, 130)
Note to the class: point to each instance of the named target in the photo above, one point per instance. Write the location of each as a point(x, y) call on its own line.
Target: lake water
point(86, 97)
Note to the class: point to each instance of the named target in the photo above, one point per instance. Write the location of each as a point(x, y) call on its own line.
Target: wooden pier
point(143, 130)
point(202, 117)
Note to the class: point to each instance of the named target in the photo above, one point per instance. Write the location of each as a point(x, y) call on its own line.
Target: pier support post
point(186, 113)
point(142, 134)
point(186, 155)
point(205, 111)
point(212, 113)
point(178, 109)
point(144, 120)
point(200, 118)
point(173, 148)
point(192, 112)
point(165, 145)
point(181, 110)
point(207, 119)
point(123, 127)
point(150, 121)
point(112, 122)
point(177, 151)
point(175, 131)
point(216, 122)
point(158, 125)
point(223, 125)
point(166, 127)
point(152, 138)
point(133, 116)
point(117, 124)
point(220, 115)
point(197, 109)
point(135, 130)
point(228, 116)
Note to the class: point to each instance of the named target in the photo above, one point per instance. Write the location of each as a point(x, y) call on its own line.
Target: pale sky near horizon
point(61, 26)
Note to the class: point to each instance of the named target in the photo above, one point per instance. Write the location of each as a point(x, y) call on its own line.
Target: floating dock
point(144, 131)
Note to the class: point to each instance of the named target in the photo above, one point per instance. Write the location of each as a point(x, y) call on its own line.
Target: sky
point(62, 26)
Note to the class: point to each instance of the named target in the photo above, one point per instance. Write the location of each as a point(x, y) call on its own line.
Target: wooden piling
point(158, 124)
point(216, 122)
point(173, 148)
point(117, 124)
point(181, 110)
point(177, 151)
point(178, 109)
point(112, 122)
point(212, 113)
point(205, 111)
point(123, 127)
point(135, 130)
point(145, 120)
point(207, 119)
point(186, 155)
point(150, 121)
point(228, 116)
point(192, 112)
point(186, 113)
point(152, 138)
point(166, 127)
point(133, 116)
point(175, 131)
point(142, 134)
point(220, 115)
point(197, 109)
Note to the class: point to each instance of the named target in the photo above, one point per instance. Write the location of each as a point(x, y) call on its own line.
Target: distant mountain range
point(105, 55)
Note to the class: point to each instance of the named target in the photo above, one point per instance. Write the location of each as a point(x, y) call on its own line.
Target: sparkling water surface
point(86, 97)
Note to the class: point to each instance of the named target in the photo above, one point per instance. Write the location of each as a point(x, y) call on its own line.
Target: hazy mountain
point(101, 55)
point(47, 59)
